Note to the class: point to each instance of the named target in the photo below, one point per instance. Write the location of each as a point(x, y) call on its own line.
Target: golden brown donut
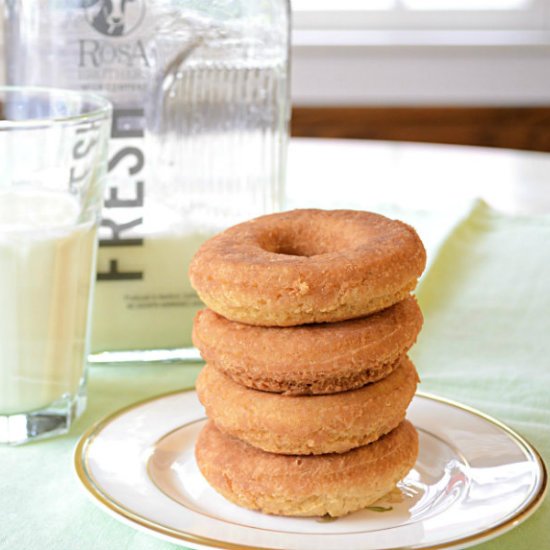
point(312, 424)
point(334, 484)
point(308, 266)
point(310, 359)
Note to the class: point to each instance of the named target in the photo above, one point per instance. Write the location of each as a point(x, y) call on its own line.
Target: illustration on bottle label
point(115, 17)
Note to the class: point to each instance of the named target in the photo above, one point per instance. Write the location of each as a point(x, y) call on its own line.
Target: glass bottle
point(200, 127)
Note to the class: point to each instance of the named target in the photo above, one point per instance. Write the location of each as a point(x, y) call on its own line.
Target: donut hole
point(304, 241)
point(299, 249)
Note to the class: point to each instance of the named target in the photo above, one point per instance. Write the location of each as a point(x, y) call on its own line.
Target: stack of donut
point(307, 380)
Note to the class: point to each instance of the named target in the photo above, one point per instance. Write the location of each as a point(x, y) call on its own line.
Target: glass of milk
point(53, 159)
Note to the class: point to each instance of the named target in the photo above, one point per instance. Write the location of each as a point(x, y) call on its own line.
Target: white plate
point(474, 479)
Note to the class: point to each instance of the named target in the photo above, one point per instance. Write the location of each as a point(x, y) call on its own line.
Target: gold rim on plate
point(87, 480)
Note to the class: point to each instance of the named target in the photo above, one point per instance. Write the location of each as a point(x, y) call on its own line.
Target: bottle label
point(112, 50)
point(106, 46)
point(123, 207)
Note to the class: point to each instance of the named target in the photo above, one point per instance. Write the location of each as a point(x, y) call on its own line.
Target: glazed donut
point(313, 424)
point(308, 266)
point(335, 484)
point(310, 359)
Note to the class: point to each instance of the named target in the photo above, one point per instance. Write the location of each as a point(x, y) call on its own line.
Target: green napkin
point(42, 505)
point(486, 337)
point(486, 342)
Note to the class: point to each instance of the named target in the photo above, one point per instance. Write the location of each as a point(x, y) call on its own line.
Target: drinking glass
point(53, 157)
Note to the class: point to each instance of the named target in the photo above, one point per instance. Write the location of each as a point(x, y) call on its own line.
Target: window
point(422, 14)
point(421, 52)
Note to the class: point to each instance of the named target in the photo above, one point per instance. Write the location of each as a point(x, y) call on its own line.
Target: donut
point(334, 484)
point(312, 424)
point(310, 359)
point(307, 266)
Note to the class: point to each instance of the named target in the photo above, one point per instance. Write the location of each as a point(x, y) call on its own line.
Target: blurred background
point(443, 71)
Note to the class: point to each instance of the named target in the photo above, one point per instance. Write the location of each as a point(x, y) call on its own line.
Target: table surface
point(41, 503)
point(339, 173)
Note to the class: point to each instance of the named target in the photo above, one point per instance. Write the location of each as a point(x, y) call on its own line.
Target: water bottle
point(200, 127)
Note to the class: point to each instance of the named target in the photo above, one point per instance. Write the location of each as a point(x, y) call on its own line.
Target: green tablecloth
point(486, 342)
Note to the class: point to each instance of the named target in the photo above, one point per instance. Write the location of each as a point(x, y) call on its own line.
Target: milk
point(155, 313)
point(46, 265)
